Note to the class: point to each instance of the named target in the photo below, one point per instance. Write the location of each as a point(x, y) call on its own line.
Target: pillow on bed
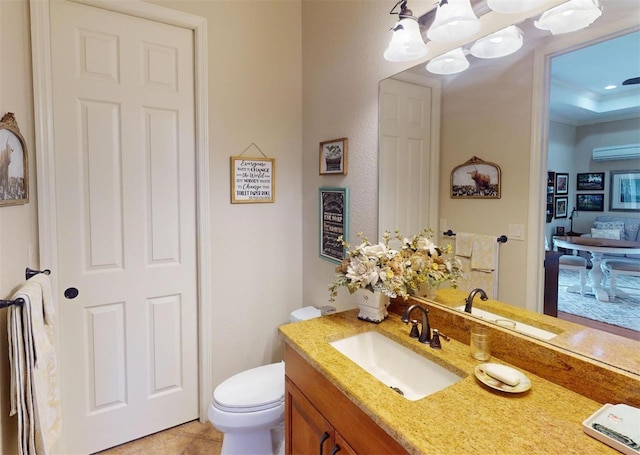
point(605, 233)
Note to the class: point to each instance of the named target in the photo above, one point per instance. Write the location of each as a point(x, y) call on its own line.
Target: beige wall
point(494, 124)
point(255, 95)
point(18, 224)
point(342, 63)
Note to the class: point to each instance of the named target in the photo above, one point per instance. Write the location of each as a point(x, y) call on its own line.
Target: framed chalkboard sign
point(334, 222)
point(252, 180)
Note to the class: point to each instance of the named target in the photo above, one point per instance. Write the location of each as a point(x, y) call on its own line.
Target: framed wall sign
point(333, 156)
point(334, 222)
point(590, 181)
point(590, 202)
point(14, 169)
point(252, 179)
point(624, 194)
point(562, 183)
point(476, 179)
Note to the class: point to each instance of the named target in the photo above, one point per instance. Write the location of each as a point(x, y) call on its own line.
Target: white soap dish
point(618, 419)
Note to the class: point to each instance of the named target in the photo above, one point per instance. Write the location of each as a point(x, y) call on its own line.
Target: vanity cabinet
point(308, 431)
point(320, 419)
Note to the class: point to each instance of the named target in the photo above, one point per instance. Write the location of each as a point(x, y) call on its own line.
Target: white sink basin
point(519, 327)
point(395, 365)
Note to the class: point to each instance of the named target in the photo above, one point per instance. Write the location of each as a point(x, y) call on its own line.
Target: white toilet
point(249, 406)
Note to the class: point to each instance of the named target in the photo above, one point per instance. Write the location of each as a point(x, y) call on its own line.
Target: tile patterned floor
point(192, 438)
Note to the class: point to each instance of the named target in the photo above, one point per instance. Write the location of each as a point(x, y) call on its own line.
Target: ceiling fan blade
point(632, 81)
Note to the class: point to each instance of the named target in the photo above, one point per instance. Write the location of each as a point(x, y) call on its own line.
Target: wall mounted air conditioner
point(617, 152)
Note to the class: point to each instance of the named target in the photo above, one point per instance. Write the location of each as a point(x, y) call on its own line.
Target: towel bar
point(6, 303)
point(502, 239)
point(19, 301)
point(29, 272)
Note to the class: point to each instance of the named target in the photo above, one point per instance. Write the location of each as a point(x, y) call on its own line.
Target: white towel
point(485, 253)
point(35, 396)
point(464, 244)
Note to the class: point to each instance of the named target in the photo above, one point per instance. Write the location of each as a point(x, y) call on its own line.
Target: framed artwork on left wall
point(14, 169)
point(334, 222)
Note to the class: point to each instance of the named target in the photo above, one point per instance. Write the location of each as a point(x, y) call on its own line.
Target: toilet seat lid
point(252, 390)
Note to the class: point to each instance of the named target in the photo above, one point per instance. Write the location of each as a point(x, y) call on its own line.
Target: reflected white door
point(408, 157)
point(125, 194)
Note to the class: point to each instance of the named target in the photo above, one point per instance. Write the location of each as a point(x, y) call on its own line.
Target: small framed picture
point(624, 194)
point(590, 202)
point(590, 181)
point(333, 156)
point(560, 207)
point(334, 222)
point(476, 179)
point(14, 169)
point(559, 230)
point(562, 183)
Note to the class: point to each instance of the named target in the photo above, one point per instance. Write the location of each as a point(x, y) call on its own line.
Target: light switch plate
point(516, 232)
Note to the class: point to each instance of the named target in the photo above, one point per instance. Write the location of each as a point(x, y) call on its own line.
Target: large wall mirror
point(499, 111)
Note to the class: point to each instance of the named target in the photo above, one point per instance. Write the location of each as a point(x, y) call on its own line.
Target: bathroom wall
point(255, 95)
point(18, 224)
point(342, 65)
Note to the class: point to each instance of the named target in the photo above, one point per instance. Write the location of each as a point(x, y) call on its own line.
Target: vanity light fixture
point(455, 20)
point(569, 17)
point(499, 44)
point(406, 42)
point(513, 6)
point(452, 62)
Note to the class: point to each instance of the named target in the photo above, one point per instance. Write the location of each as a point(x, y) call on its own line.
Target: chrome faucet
point(469, 300)
point(425, 333)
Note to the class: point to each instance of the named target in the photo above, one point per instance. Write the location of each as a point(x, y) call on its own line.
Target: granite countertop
point(573, 337)
point(467, 417)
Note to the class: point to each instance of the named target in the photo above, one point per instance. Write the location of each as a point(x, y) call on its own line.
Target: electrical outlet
point(516, 232)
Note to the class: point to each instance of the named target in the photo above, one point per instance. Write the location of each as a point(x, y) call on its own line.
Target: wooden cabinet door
point(345, 448)
point(307, 431)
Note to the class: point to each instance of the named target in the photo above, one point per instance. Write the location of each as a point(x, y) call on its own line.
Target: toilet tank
point(304, 313)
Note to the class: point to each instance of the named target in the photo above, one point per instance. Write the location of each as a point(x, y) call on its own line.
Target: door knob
point(71, 293)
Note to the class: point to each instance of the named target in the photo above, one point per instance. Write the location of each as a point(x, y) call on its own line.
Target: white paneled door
point(408, 157)
point(123, 102)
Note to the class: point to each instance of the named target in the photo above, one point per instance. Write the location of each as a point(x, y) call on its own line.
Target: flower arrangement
point(396, 272)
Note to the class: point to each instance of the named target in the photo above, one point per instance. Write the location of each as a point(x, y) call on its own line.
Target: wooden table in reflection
point(598, 247)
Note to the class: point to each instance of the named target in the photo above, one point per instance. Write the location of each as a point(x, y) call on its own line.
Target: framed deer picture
point(476, 179)
point(14, 172)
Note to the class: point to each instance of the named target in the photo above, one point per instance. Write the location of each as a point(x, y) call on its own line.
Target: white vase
point(372, 305)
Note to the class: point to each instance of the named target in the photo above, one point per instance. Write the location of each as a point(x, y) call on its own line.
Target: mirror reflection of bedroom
point(593, 191)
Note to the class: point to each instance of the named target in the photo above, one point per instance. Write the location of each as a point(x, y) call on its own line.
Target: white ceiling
point(579, 78)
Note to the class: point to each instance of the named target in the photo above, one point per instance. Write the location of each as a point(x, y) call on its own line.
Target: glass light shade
point(450, 63)
point(454, 21)
point(406, 42)
point(498, 44)
point(513, 6)
point(569, 17)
